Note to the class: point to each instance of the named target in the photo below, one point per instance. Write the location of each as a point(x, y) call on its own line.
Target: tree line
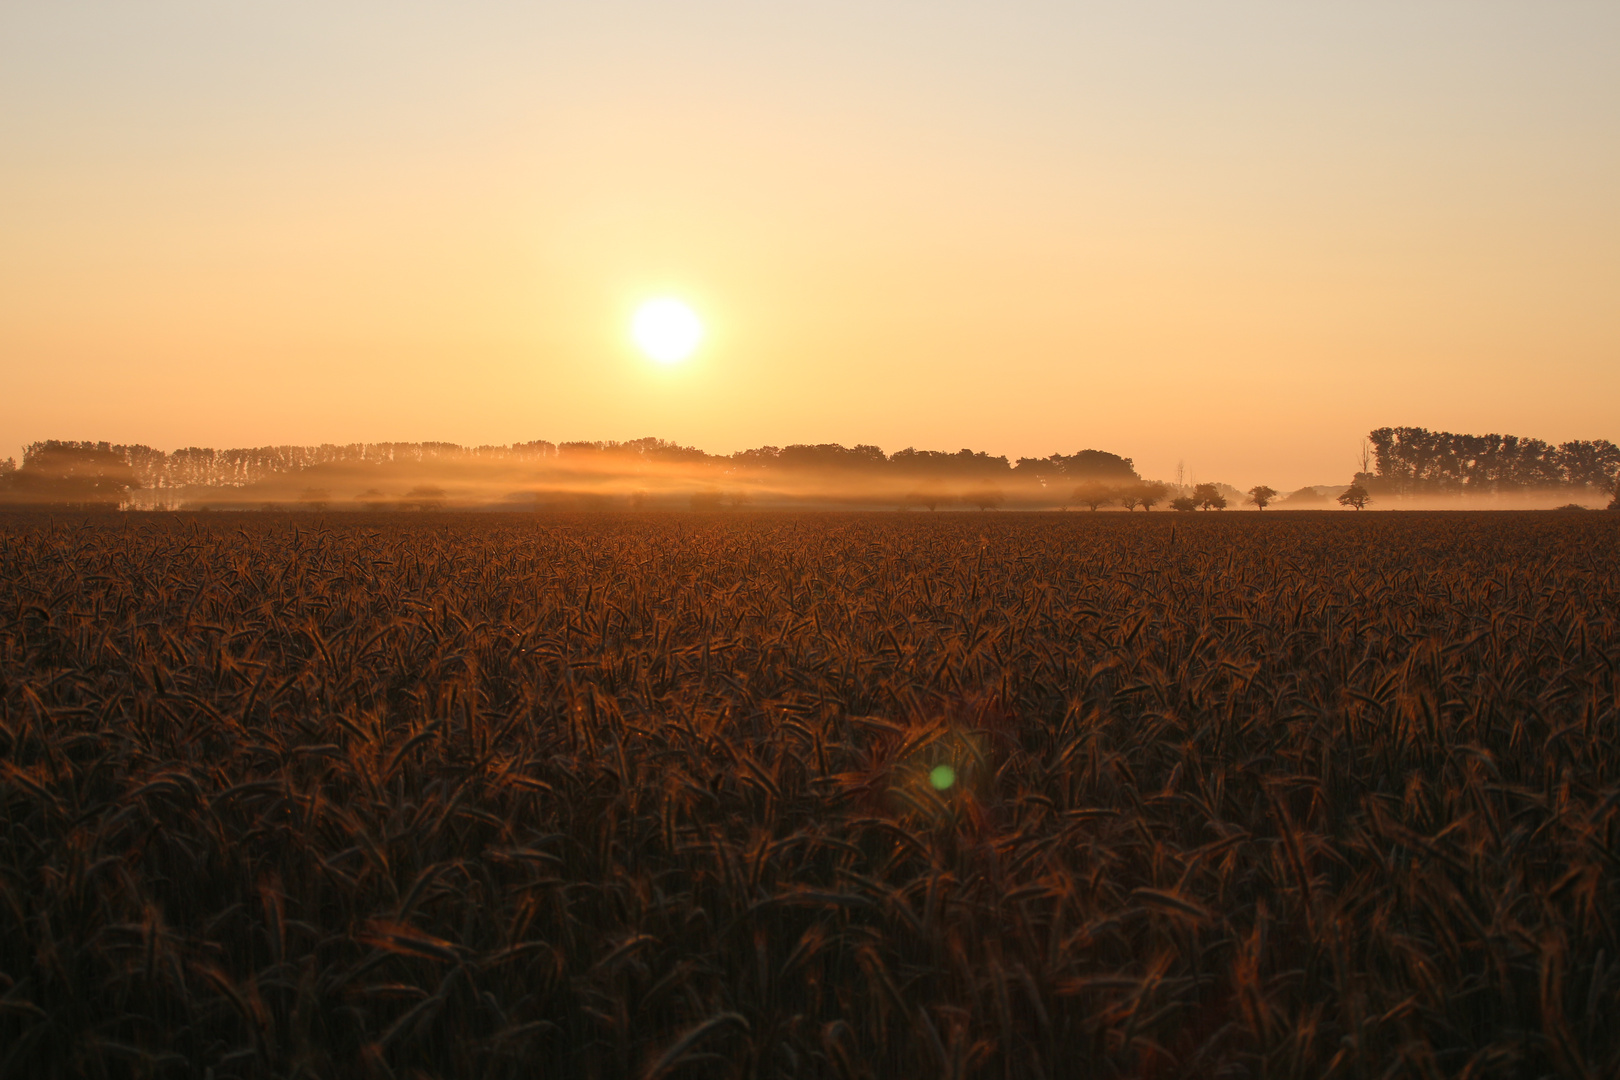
point(1416, 461)
point(102, 473)
point(1149, 493)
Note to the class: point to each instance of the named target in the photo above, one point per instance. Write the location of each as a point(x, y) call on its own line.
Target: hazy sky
point(1235, 234)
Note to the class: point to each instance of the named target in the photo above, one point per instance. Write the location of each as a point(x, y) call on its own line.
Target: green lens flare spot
point(942, 777)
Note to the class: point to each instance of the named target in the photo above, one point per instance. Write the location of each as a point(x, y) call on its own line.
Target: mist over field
point(726, 540)
point(1404, 468)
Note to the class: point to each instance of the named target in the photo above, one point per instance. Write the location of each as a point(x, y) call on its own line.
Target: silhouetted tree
point(1260, 495)
point(1305, 496)
point(1355, 495)
point(1150, 493)
point(1094, 494)
point(424, 497)
point(1209, 497)
point(1589, 463)
point(927, 499)
point(1184, 503)
point(984, 498)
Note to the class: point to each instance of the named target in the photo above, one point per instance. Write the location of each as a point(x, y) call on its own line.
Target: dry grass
point(1283, 795)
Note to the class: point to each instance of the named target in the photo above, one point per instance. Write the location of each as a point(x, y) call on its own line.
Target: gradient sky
point(1237, 235)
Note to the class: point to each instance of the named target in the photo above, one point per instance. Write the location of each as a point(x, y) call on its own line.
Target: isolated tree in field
point(1355, 495)
point(1130, 497)
point(424, 497)
point(928, 498)
point(984, 498)
point(1209, 497)
point(1094, 494)
point(1151, 493)
point(1261, 495)
point(1184, 503)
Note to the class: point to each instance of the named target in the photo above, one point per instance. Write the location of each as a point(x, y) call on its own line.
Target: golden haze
point(1238, 239)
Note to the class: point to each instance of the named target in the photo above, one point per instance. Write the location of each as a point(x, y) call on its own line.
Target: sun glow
point(666, 330)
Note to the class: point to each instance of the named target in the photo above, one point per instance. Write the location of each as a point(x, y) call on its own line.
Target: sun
point(666, 330)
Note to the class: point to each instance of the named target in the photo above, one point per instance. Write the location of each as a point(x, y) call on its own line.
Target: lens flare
point(942, 777)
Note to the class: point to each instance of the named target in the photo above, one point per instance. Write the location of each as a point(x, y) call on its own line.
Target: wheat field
point(810, 795)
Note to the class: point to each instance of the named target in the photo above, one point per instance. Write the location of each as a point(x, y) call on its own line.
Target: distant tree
point(984, 498)
point(1184, 503)
point(1589, 463)
point(424, 497)
point(1355, 495)
point(1209, 497)
point(1095, 494)
point(929, 499)
point(1130, 497)
point(9, 465)
point(1614, 503)
point(372, 499)
point(1305, 496)
point(1260, 495)
point(1150, 493)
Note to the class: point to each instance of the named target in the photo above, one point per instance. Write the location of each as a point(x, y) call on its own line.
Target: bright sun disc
point(667, 330)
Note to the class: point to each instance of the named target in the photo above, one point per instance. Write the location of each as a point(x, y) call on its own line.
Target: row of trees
point(143, 467)
point(201, 466)
point(100, 473)
point(1416, 461)
point(1148, 494)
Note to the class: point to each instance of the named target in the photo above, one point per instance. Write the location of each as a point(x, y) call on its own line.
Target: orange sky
point(1235, 235)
